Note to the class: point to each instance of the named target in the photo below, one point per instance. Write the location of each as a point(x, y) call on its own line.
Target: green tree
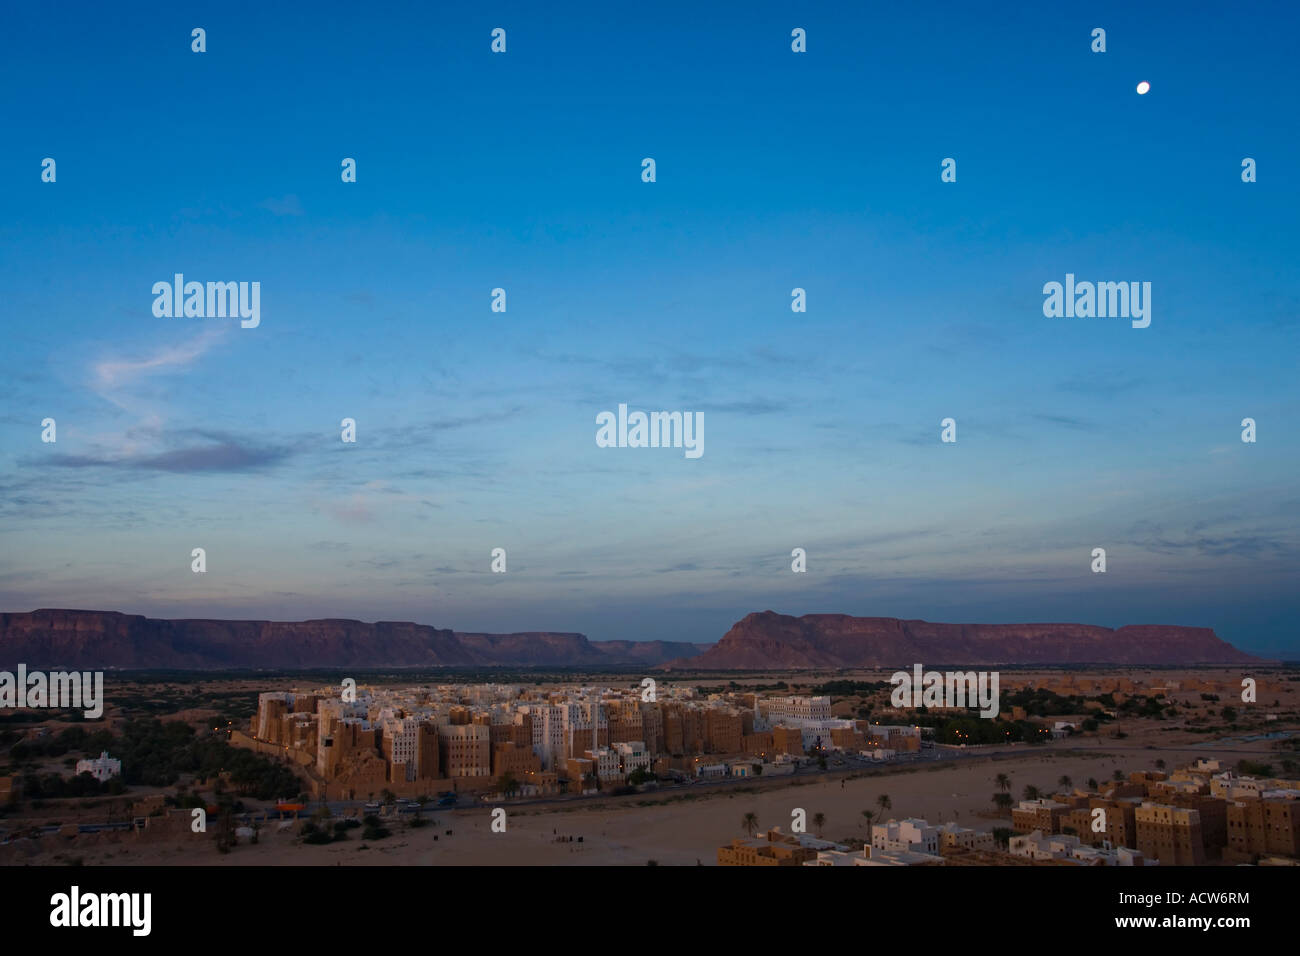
point(819, 823)
point(749, 823)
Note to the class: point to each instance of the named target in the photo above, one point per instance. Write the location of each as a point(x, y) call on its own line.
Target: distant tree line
point(154, 754)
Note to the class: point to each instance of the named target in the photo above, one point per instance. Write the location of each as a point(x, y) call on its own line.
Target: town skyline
point(1054, 767)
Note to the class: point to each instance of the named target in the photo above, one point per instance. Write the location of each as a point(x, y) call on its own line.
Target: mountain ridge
point(63, 637)
point(54, 638)
point(767, 640)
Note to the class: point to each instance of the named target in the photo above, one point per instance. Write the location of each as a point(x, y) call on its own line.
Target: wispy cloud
point(1106, 382)
point(286, 206)
point(113, 374)
point(223, 454)
point(1238, 543)
point(755, 406)
point(1067, 421)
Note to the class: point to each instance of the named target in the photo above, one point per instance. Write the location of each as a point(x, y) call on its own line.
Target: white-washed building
point(101, 768)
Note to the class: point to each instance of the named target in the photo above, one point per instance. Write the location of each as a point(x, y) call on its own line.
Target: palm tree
point(884, 803)
point(868, 814)
point(749, 823)
point(1032, 792)
point(1160, 765)
point(1002, 801)
point(1065, 781)
point(1003, 782)
point(819, 823)
point(1119, 776)
point(1092, 783)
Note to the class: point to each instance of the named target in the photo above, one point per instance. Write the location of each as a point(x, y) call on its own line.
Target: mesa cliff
point(56, 638)
point(770, 641)
point(59, 639)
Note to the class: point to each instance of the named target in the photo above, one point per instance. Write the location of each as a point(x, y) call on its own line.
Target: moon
point(1143, 87)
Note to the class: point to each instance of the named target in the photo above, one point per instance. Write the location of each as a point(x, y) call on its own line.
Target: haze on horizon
point(775, 171)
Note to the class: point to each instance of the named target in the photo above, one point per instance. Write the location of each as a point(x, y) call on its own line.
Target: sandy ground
point(677, 832)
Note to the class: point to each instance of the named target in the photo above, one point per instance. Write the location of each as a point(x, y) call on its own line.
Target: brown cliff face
point(53, 639)
point(771, 641)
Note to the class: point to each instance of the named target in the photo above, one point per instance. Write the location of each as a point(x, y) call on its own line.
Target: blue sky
point(775, 170)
